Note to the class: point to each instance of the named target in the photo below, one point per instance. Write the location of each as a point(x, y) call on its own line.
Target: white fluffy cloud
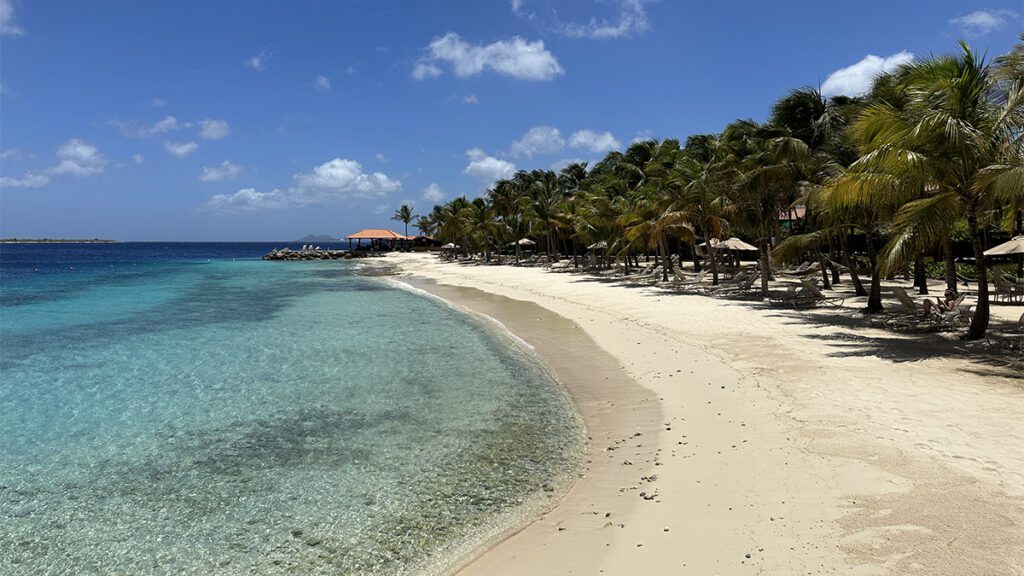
point(981, 22)
point(332, 182)
point(322, 82)
point(631, 19)
point(538, 140)
point(133, 129)
point(625, 18)
point(642, 136)
point(424, 70)
point(557, 166)
point(471, 99)
point(27, 180)
point(433, 193)
point(221, 172)
point(856, 80)
point(158, 102)
point(8, 22)
point(14, 154)
point(79, 158)
point(138, 159)
point(180, 149)
point(76, 157)
point(213, 129)
point(514, 57)
point(487, 168)
point(594, 141)
point(347, 177)
point(247, 200)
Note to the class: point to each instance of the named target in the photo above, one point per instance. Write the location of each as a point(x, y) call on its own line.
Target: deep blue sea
point(173, 408)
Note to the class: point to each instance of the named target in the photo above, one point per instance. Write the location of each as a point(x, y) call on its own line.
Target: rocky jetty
point(310, 253)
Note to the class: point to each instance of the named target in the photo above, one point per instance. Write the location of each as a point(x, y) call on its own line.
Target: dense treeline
point(935, 149)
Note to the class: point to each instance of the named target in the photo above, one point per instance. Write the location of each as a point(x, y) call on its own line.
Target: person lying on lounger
point(940, 306)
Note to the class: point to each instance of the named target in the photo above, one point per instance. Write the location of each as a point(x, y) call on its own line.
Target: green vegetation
point(404, 215)
point(934, 153)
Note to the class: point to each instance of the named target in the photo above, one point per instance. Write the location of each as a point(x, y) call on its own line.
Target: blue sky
point(240, 120)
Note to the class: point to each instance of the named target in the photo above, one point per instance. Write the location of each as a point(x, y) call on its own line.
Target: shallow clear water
point(175, 411)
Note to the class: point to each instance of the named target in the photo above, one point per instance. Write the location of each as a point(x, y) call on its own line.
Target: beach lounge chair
point(681, 279)
point(952, 317)
point(908, 303)
point(792, 297)
point(740, 284)
point(811, 288)
point(807, 296)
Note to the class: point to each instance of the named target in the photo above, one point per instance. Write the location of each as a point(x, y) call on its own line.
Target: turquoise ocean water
point(188, 409)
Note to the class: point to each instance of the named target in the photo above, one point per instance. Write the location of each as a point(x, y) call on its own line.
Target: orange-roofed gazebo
point(376, 236)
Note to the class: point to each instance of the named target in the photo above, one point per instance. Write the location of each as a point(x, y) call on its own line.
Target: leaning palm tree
point(961, 136)
point(404, 215)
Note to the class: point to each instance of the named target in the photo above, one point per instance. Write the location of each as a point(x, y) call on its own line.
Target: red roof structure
point(376, 234)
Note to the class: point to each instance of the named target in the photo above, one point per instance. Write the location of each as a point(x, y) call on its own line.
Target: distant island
point(56, 241)
point(318, 238)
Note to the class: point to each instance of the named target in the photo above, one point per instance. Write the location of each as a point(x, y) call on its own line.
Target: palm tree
point(770, 164)
point(705, 204)
point(545, 199)
point(649, 169)
point(404, 215)
point(962, 136)
point(425, 226)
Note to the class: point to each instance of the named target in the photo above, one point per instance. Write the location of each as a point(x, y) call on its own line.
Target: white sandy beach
point(780, 442)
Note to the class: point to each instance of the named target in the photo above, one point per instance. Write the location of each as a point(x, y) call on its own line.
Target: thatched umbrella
point(1014, 246)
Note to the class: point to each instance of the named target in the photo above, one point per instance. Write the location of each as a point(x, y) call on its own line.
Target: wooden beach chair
point(742, 283)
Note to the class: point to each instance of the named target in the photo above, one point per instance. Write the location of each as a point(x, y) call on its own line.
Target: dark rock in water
point(307, 254)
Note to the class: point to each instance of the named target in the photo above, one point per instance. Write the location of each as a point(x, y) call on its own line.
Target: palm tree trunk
point(765, 265)
point(947, 254)
point(875, 296)
point(979, 323)
point(920, 278)
point(666, 260)
point(1019, 231)
point(825, 284)
point(832, 265)
point(844, 246)
point(713, 263)
point(575, 254)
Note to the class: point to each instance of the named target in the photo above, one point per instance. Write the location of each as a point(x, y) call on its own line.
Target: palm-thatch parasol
point(731, 244)
point(1014, 246)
